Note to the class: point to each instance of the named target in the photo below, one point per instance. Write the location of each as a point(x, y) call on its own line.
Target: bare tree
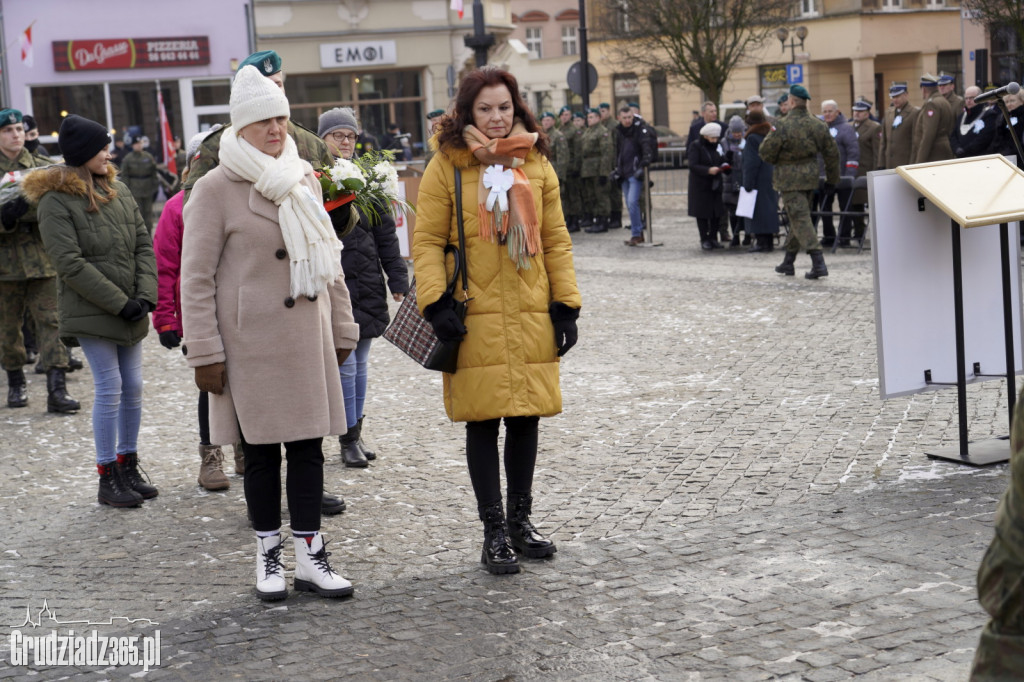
point(699, 42)
point(1006, 16)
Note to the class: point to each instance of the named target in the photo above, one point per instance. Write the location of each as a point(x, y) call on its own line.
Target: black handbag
point(411, 333)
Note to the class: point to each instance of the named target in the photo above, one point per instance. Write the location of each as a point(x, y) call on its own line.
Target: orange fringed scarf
point(517, 227)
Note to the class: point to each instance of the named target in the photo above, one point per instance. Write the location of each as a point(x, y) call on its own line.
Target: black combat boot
point(351, 454)
point(523, 535)
point(572, 223)
point(786, 266)
point(113, 488)
point(818, 268)
point(600, 224)
point(586, 221)
point(17, 396)
point(615, 221)
point(367, 452)
point(57, 399)
point(497, 553)
point(129, 465)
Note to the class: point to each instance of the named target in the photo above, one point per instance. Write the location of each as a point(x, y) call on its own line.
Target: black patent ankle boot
point(524, 536)
point(497, 554)
point(113, 488)
point(129, 464)
point(351, 454)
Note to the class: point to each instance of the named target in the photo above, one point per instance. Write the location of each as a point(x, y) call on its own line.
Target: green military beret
point(604, 105)
point(799, 91)
point(547, 114)
point(564, 109)
point(594, 110)
point(782, 98)
point(435, 113)
point(267, 62)
point(9, 117)
point(579, 114)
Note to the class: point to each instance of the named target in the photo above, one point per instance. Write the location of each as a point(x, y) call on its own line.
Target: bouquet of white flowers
point(369, 180)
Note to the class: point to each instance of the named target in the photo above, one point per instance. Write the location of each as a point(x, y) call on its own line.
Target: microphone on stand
point(1008, 89)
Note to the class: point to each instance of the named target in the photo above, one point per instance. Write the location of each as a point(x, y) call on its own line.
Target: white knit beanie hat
point(255, 97)
point(709, 130)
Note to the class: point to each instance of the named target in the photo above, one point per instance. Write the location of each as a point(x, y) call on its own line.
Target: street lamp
point(800, 32)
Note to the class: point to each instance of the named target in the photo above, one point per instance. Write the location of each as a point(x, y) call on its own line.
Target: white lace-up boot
point(312, 571)
point(270, 583)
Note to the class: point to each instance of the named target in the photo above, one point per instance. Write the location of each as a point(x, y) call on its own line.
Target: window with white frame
point(892, 4)
point(808, 8)
point(569, 42)
point(935, 4)
point(533, 42)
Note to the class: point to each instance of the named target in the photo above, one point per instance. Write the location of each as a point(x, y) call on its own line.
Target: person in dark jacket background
point(849, 161)
point(705, 186)
point(635, 153)
point(370, 247)
point(757, 175)
point(972, 135)
point(103, 254)
point(732, 144)
point(1002, 141)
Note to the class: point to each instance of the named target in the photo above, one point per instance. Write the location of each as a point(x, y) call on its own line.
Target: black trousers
point(204, 418)
point(708, 229)
point(304, 483)
point(827, 226)
point(482, 457)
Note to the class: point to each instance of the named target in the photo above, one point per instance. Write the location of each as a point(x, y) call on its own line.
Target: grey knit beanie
point(736, 125)
point(333, 119)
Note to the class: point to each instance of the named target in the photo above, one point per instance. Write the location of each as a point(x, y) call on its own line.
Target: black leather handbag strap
point(462, 231)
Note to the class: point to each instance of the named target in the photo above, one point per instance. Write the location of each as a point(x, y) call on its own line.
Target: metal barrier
point(668, 181)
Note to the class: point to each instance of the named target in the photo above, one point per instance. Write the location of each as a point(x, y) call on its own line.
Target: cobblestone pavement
point(730, 498)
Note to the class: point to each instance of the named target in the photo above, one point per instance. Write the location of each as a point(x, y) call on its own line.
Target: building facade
point(550, 32)
point(853, 48)
point(391, 60)
point(109, 65)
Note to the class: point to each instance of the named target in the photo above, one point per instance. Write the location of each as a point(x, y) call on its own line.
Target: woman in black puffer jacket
point(371, 251)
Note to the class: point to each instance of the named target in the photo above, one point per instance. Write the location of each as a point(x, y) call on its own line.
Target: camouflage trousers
point(39, 298)
point(802, 234)
point(597, 197)
point(1000, 653)
point(572, 200)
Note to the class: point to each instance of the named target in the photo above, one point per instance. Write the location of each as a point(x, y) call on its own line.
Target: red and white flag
point(165, 133)
point(26, 46)
point(457, 6)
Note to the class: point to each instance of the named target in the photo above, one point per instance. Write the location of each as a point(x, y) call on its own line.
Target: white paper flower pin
point(499, 180)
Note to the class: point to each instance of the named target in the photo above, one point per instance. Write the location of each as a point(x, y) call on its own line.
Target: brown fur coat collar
point(759, 129)
point(58, 178)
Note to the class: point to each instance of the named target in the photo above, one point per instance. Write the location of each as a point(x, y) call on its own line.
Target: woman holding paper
point(763, 225)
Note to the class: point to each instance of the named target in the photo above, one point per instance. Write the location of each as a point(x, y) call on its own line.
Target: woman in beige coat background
point(267, 321)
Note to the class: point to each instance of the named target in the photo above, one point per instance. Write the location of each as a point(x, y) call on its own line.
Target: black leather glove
point(615, 176)
point(959, 152)
point(170, 339)
point(638, 174)
point(564, 318)
point(441, 316)
point(134, 310)
point(12, 210)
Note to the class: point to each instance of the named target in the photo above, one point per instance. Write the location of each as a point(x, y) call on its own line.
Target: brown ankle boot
point(211, 471)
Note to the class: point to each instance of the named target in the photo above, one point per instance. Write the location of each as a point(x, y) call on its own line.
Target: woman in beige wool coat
point(267, 322)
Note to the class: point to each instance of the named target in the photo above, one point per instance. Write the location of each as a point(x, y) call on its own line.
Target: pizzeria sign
point(130, 53)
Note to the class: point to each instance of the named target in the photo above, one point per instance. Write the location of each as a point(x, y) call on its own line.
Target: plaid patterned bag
point(411, 333)
point(415, 337)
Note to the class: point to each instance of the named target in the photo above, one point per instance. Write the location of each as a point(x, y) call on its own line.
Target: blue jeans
point(353, 381)
point(117, 405)
point(631, 195)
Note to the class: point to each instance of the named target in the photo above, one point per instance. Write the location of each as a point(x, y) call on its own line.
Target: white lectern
point(918, 276)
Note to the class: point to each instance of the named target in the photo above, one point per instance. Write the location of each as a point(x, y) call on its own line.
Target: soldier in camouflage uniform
point(597, 147)
point(559, 157)
point(310, 147)
point(611, 124)
point(572, 204)
point(1000, 653)
point(793, 148)
point(564, 122)
point(138, 171)
point(27, 282)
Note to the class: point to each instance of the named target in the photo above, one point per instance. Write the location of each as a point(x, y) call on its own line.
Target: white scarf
point(314, 250)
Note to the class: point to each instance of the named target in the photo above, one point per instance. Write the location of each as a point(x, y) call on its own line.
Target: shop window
point(51, 104)
point(569, 41)
point(1006, 66)
point(534, 42)
point(211, 92)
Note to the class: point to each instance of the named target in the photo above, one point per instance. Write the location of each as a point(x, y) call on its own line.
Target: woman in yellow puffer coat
point(524, 301)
